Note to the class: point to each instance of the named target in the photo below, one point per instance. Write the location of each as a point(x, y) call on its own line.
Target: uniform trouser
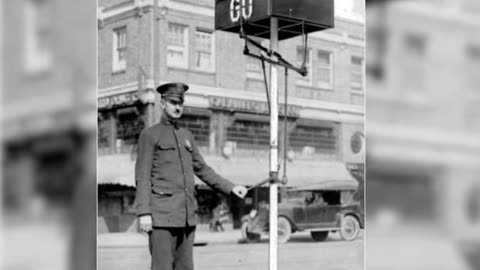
point(172, 248)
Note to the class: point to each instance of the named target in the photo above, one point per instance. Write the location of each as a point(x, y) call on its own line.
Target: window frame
point(184, 49)
point(320, 84)
point(37, 58)
point(414, 61)
point(317, 139)
point(248, 134)
point(471, 64)
point(199, 126)
point(212, 67)
point(117, 63)
point(357, 87)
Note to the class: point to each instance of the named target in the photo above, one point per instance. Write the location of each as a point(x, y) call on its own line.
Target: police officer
point(167, 160)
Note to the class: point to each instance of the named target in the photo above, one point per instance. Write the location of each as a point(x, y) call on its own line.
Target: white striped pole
point(273, 250)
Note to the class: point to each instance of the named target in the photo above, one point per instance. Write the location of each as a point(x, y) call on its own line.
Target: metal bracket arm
point(273, 178)
point(281, 61)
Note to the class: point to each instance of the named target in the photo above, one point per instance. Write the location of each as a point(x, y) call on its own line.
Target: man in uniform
point(167, 160)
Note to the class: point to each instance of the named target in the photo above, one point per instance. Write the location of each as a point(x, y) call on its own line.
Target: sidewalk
point(202, 236)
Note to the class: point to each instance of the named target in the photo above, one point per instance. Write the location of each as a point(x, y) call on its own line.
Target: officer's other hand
point(240, 191)
point(145, 223)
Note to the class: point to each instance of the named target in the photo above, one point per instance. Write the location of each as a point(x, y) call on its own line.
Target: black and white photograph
point(240, 134)
point(231, 134)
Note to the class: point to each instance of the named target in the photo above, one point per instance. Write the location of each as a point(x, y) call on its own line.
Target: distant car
point(320, 208)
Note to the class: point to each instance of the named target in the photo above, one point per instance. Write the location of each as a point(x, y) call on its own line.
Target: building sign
point(251, 106)
point(121, 100)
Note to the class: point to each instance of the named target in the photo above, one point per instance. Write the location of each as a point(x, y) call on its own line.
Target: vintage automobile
point(320, 208)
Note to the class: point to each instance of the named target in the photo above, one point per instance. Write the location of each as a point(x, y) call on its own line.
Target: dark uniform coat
point(167, 160)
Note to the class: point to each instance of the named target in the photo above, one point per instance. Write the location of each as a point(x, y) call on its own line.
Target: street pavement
point(395, 249)
point(226, 250)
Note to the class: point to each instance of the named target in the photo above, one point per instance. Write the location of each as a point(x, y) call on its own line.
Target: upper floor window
point(304, 80)
point(204, 50)
point(177, 45)
point(356, 73)
point(412, 62)
point(38, 28)
point(377, 37)
point(120, 48)
point(254, 65)
point(415, 44)
point(323, 70)
point(472, 67)
point(254, 68)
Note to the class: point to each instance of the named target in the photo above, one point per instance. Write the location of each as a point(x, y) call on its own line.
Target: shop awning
point(119, 169)
point(116, 169)
point(250, 171)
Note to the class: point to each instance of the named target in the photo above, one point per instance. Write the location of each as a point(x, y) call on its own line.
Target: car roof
point(335, 176)
point(328, 185)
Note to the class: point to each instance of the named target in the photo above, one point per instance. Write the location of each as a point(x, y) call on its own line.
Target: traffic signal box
point(295, 17)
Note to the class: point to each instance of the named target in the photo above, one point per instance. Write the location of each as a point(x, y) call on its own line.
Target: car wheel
point(284, 230)
point(319, 235)
point(349, 228)
point(249, 236)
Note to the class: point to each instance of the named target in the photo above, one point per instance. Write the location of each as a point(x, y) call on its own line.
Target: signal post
point(273, 220)
point(275, 20)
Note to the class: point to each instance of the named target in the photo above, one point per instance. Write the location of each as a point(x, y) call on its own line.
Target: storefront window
point(129, 127)
point(199, 126)
point(103, 132)
point(313, 140)
point(249, 134)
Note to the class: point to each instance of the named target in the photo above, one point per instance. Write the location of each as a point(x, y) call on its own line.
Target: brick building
point(49, 102)
point(145, 43)
point(423, 112)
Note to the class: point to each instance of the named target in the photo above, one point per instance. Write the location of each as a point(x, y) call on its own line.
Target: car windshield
point(323, 197)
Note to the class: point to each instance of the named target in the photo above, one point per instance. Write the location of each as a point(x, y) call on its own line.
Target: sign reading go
point(243, 8)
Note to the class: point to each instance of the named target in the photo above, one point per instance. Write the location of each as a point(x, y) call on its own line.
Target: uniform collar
point(169, 122)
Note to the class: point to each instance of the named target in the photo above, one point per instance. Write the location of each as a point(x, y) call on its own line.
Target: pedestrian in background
point(167, 160)
point(220, 217)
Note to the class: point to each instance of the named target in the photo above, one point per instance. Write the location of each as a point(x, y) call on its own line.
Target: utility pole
point(147, 95)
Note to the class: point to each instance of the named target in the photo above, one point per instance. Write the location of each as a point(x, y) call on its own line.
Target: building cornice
point(122, 88)
point(446, 13)
point(107, 12)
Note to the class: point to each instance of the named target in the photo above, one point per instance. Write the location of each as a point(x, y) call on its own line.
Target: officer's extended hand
point(240, 191)
point(146, 223)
